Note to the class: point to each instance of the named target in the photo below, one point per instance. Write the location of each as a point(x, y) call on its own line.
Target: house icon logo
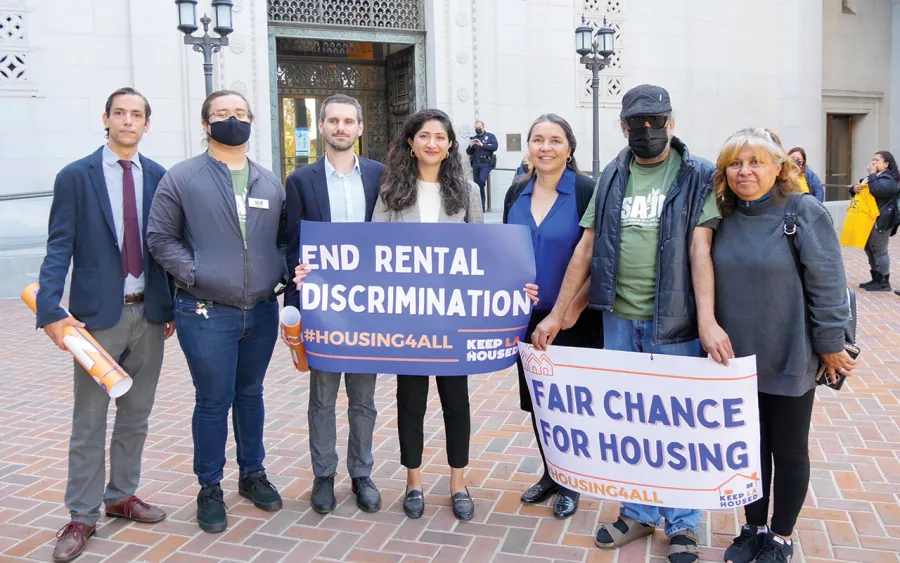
point(739, 490)
point(537, 363)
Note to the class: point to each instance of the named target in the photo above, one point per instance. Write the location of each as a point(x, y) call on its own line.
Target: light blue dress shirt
point(346, 193)
point(113, 173)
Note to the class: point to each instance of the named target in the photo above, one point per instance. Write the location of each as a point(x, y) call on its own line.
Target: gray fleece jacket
point(194, 232)
point(760, 298)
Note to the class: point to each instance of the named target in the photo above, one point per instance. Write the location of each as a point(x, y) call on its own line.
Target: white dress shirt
point(346, 193)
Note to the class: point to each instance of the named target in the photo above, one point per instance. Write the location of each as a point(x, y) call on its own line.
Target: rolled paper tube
point(293, 329)
point(108, 374)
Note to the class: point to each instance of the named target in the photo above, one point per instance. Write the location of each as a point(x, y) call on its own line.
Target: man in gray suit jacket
point(340, 187)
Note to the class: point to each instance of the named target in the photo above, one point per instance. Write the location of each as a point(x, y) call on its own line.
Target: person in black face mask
point(481, 151)
point(218, 226)
point(653, 186)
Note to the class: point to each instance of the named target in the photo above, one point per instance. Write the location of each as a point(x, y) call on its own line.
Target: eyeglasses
point(224, 114)
point(655, 121)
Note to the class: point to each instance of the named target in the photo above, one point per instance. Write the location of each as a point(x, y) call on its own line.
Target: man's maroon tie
point(132, 257)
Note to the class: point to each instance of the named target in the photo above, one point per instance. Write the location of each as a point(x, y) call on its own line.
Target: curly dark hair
point(398, 185)
point(892, 169)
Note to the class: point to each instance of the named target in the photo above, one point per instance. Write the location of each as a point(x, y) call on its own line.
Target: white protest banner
point(657, 430)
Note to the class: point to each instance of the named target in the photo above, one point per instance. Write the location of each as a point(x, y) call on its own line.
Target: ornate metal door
point(320, 78)
point(401, 88)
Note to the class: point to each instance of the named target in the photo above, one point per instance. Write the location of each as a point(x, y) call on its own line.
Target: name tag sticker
point(257, 203)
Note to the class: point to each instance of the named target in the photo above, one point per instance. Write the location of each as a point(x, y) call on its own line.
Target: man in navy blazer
point(340, 187)
point(122, 296)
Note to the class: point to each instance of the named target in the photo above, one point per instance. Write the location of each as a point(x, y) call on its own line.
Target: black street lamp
point(187, 24)
point(596, 52)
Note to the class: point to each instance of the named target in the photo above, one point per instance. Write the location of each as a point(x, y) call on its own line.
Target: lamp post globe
point(187, 16)
point(606, 40)
point(583, 39)
point(222, 16)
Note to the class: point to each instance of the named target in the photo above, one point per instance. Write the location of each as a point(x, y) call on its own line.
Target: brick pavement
point(851, 512)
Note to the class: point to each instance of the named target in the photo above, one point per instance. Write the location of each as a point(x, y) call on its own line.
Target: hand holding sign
point(667, 431)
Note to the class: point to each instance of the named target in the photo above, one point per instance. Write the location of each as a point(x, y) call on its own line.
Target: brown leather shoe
point(135, 509)
point(71, 541)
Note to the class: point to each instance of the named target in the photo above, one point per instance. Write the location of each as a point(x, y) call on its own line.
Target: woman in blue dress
point(550, 201)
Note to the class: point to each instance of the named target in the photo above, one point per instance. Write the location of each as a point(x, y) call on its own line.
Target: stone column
point(801, 122)
point(895, 79)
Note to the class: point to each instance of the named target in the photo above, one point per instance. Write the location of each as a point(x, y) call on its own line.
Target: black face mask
point(479, 131)
point(232, 132)
point(647, 142)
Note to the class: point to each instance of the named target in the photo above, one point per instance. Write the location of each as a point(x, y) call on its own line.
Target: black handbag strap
point(791, 212)
point(790, 231)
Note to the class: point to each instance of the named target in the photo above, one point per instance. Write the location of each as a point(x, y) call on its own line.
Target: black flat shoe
point(414, 504)
point(539, 492)
point(566, 504)
point(463, 505)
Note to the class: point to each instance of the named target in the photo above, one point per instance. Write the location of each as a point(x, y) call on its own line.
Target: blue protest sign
point(414, 298)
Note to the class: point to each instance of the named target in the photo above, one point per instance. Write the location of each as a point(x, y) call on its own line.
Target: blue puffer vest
point(676, 311)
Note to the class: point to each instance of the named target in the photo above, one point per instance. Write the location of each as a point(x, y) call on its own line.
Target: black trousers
point(784, 427)
point(412, 401)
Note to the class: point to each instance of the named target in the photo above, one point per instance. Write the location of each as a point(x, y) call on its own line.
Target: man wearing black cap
point(648, 297)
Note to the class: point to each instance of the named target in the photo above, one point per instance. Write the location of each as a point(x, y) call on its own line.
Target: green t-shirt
point(639, 239)
point(239, 180)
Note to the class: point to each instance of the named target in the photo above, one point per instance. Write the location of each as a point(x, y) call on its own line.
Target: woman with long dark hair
point(550, 200)
point(883, 180)
point(424, 182)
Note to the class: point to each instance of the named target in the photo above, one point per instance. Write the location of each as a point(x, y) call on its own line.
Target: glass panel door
point(301, 143)
point(839, 151)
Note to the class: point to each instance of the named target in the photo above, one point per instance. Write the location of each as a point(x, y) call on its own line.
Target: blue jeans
point(227, 351)
point(637, 336)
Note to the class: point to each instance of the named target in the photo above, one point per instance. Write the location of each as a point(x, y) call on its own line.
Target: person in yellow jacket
point(861, 216)
point(883, 180)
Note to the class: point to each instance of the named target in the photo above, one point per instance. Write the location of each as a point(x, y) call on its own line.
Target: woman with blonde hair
point(781, 295)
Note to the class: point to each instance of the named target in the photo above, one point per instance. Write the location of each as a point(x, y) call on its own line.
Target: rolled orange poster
point(96, 361)
point(293, 329)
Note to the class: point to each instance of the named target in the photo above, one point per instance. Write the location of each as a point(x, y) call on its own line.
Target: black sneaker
point(257, 488)
point(211, 509)
point(745, 547)
point(775, 550)
point(323, 495)
point(368, 499)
